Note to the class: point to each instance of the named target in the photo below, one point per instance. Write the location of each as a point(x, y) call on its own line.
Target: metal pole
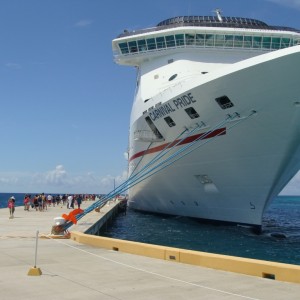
point(36, 246)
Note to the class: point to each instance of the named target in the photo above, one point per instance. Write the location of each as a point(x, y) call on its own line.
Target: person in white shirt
point(70, 200)
point(49, 199)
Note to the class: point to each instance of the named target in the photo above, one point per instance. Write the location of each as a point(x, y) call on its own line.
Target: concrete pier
point(72, 270)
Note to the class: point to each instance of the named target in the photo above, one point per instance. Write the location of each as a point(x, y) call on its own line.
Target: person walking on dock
point(11, 206)
point(79, 200)
point(26, 202)
point(70, 202)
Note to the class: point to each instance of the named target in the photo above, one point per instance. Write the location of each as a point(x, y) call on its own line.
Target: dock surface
point(75, 271)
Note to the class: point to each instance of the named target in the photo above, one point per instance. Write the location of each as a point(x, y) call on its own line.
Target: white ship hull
point(250, 163)
point(249, 150)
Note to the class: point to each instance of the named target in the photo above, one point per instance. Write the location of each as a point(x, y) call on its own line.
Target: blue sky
point(65, 104)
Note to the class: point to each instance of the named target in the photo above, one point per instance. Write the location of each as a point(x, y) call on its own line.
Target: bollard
point(35, 271)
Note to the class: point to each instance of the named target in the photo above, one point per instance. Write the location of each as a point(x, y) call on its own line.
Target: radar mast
point(218, 13)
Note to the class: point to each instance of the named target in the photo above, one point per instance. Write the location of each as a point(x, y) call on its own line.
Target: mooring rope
point(157, 164)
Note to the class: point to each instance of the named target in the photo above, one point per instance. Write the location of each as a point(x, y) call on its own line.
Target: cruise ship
point(215, 122)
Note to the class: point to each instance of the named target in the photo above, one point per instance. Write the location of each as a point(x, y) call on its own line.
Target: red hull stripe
point(207, 135)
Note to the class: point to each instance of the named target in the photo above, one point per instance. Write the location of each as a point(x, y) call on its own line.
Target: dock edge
point(260, 268)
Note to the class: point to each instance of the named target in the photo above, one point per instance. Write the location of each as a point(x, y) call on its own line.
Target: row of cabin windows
point(190, 111)
point(208, 40)
point(223, 101)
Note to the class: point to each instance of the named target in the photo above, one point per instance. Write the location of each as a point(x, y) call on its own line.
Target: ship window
point(209, 40)
point(160, 41)
point(192, 113)
point(151, 44)
point(296, 42)
point(275, 43)
point(142, 45)
point(190, 39)
point(170, 41)
point(124, 48)
point(257, 41)
point(172, 77)
point(224, 102)
point(153, 128)
point(248, 41)
point(228, 40)
point(219, 40)
point(285, 42)
point(266, 42)
point(169, 121)
point(238, 41)
point(200, 38)
point(132, 46)
point(179, 39)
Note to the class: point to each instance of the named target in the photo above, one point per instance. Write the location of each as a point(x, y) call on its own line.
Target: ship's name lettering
point(161, 111)
point(167, 108)
point(184, 101)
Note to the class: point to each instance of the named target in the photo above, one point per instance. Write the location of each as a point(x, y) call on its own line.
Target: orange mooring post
point(72, 215)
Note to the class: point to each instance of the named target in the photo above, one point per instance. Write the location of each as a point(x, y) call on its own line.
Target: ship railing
point(206, 41)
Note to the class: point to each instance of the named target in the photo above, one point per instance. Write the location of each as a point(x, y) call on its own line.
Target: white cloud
point(289, 3)
point(8, 180)
point(125, 155)
point(58, 176)
point(13, 66)
point(59, 180)
point(83, 23)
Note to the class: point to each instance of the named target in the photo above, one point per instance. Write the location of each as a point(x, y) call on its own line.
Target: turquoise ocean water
point(279, 240)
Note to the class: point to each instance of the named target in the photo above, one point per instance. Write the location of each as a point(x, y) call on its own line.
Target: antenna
point(218, 13)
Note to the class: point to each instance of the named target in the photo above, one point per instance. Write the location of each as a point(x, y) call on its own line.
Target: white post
point(35, 271)
point(36, 246)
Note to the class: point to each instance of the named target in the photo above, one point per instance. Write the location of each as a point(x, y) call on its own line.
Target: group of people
point(41, 202)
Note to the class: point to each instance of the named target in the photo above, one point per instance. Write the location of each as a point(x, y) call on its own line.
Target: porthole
point(224, 102)
point(169, 121)
point(192, 113)
point(172, 77)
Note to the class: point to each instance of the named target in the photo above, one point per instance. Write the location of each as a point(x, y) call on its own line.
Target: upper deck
point(208, 21)
point(204, 32)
